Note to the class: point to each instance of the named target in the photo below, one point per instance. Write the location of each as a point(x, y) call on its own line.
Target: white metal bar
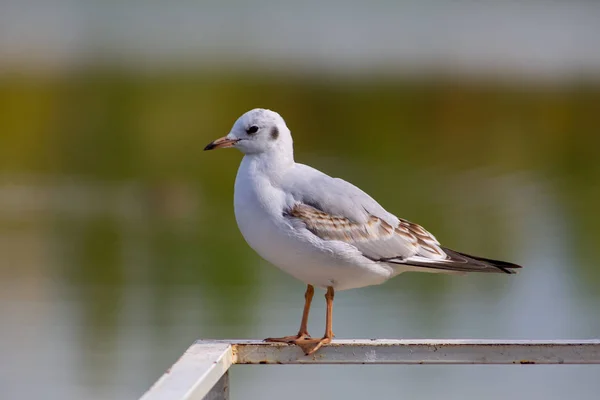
point(201, 373)
point(221, 389)
point(423, 352)
point(195, 374)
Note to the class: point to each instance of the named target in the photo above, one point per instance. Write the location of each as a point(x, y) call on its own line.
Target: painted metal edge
point(458, 351)
point(221, 389)
point(194, 375)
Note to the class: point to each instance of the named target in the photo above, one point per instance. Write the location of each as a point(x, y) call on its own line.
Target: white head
point(257, 131)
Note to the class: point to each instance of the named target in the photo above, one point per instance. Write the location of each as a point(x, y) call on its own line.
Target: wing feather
point(406, 244)
point(375, 238)
point(333, 209)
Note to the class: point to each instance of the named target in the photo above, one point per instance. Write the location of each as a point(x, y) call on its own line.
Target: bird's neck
point(272, 164)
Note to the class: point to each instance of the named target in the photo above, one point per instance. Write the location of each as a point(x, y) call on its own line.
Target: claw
point(318, 343)
point(290, 339)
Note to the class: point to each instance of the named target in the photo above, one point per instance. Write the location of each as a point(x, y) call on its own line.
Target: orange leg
point(303, 332)
point(328, 328)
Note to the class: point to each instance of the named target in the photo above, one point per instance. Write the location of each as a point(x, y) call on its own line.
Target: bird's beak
point(221, 143)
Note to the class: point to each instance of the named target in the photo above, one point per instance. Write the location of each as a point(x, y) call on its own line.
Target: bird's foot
point(300, 337)
point(310, 346)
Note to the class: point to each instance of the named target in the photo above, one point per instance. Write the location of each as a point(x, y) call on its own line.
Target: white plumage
point(325, 231)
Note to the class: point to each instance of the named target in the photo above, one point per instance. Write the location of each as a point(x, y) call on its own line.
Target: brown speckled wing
point(420, 237)
point(374, 238)
point(405, 244)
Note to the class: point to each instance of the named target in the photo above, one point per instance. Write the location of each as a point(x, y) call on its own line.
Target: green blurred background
point(118, 243)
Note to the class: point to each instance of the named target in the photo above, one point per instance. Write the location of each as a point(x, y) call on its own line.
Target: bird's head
point(256, 131)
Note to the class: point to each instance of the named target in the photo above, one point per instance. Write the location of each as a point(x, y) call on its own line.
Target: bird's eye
point(252, 130)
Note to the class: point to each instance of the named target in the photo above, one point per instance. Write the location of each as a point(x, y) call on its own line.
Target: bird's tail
point(459, 262)
point(500, 266)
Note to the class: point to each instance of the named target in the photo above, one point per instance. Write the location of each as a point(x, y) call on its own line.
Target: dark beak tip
point(209, 146)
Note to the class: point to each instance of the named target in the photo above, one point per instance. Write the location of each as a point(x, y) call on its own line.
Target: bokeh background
point(118, 245)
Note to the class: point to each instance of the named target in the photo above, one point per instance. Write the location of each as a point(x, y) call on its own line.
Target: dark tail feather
point(506, 267)
point(459, 262)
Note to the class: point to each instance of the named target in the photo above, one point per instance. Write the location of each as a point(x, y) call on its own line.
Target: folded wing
point(404, 244)
point(334, 209)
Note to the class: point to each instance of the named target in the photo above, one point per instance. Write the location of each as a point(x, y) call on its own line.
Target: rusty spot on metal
point(526, 362)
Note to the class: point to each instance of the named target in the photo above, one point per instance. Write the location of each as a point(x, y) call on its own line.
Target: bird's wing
point(375, 238)
point(333, 196)
point(333, 209)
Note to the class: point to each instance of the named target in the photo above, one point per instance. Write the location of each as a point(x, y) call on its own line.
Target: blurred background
point(118, 246)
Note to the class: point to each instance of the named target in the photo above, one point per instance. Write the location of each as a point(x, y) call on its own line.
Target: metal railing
point(202, 371)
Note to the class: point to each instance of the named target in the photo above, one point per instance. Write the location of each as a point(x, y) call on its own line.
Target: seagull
point(322, 230)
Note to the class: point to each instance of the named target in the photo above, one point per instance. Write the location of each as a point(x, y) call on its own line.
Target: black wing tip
point(509, 270)
point(457, 261)
point(504, 266)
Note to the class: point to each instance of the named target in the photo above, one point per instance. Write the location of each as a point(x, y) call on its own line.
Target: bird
point(325, 231)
